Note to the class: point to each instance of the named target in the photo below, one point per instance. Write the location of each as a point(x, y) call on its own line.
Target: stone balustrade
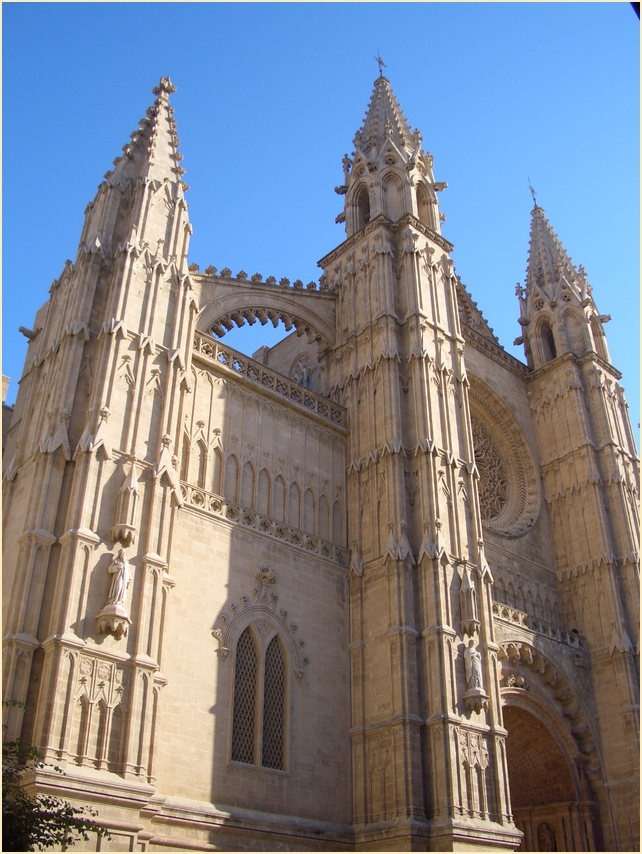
point(240, 365)
point(216, 505)
point(507, 614)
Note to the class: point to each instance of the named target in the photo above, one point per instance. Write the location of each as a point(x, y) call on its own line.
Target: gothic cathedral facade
point(374, 588)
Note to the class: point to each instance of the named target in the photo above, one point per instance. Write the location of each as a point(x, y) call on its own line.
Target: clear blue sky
point(268, 99)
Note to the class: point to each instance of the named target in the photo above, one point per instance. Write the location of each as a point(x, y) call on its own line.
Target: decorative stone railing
point(534, 624)
point(215, 505)
point(240, 365)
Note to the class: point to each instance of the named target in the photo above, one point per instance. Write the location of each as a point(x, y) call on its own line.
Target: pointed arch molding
point(519, 505)
point(263, 610)
point(224, 305)
point(577, 736)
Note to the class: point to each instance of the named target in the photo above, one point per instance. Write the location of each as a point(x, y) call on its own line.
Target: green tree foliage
point(35, 823)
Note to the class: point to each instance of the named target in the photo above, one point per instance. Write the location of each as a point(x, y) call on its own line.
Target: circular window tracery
point(508, 483)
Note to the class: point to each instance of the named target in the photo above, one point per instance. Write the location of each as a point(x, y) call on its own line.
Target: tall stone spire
point(385, 120)
point(549, 267)
point(151, 159)
point(112, 342)
point(557, 311)
point(153, 150)
point(590, 479)
point(389, 173)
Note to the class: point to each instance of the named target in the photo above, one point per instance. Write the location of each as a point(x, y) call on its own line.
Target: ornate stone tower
point(425, 690)
point(591, 486)
point(105, 350)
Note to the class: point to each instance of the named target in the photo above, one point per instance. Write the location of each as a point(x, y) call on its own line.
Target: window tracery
point(273, 717)
point(493, 493)
point(302, 371)
point(258, 716)
point(244, 700)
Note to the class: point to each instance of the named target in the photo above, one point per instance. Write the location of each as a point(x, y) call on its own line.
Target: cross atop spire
point(533, 193)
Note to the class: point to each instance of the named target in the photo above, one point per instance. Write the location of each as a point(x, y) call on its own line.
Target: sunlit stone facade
point(375, 588)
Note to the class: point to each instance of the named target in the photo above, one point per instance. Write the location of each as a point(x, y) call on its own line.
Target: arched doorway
point(545, 787)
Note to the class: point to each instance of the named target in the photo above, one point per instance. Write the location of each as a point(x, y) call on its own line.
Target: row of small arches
point(96, 734)
point(507, 594)
point(271, 497)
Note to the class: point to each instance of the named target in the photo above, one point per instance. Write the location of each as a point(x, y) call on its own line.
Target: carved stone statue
point(546, 840)
point(120, 582)
point(113, 618)
point(472, 660)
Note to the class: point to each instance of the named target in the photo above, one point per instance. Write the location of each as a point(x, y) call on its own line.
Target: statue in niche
point(114, 619)
point(472, 659)
point(120, 582)
point(546, 837)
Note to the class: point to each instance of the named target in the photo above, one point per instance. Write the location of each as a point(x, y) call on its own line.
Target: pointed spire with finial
point(558, 314)
point(148, 161)
point(549, 266)
point(153, 150)
point(389, 174)
point(385, 120)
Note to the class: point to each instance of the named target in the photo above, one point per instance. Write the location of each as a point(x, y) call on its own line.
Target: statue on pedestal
point(114, 618)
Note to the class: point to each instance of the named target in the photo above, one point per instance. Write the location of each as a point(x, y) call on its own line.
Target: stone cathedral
point(374, 588)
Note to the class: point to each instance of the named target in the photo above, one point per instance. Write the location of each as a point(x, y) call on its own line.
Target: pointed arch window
point(363, 207)
point(263, 493)
point(201, 461)
point(217, 470)
point(185, 458)
point(549, 350)
point(393, 198)
point(258, 715)
point(423, 206)
point(231, 478)
point(247, 485)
